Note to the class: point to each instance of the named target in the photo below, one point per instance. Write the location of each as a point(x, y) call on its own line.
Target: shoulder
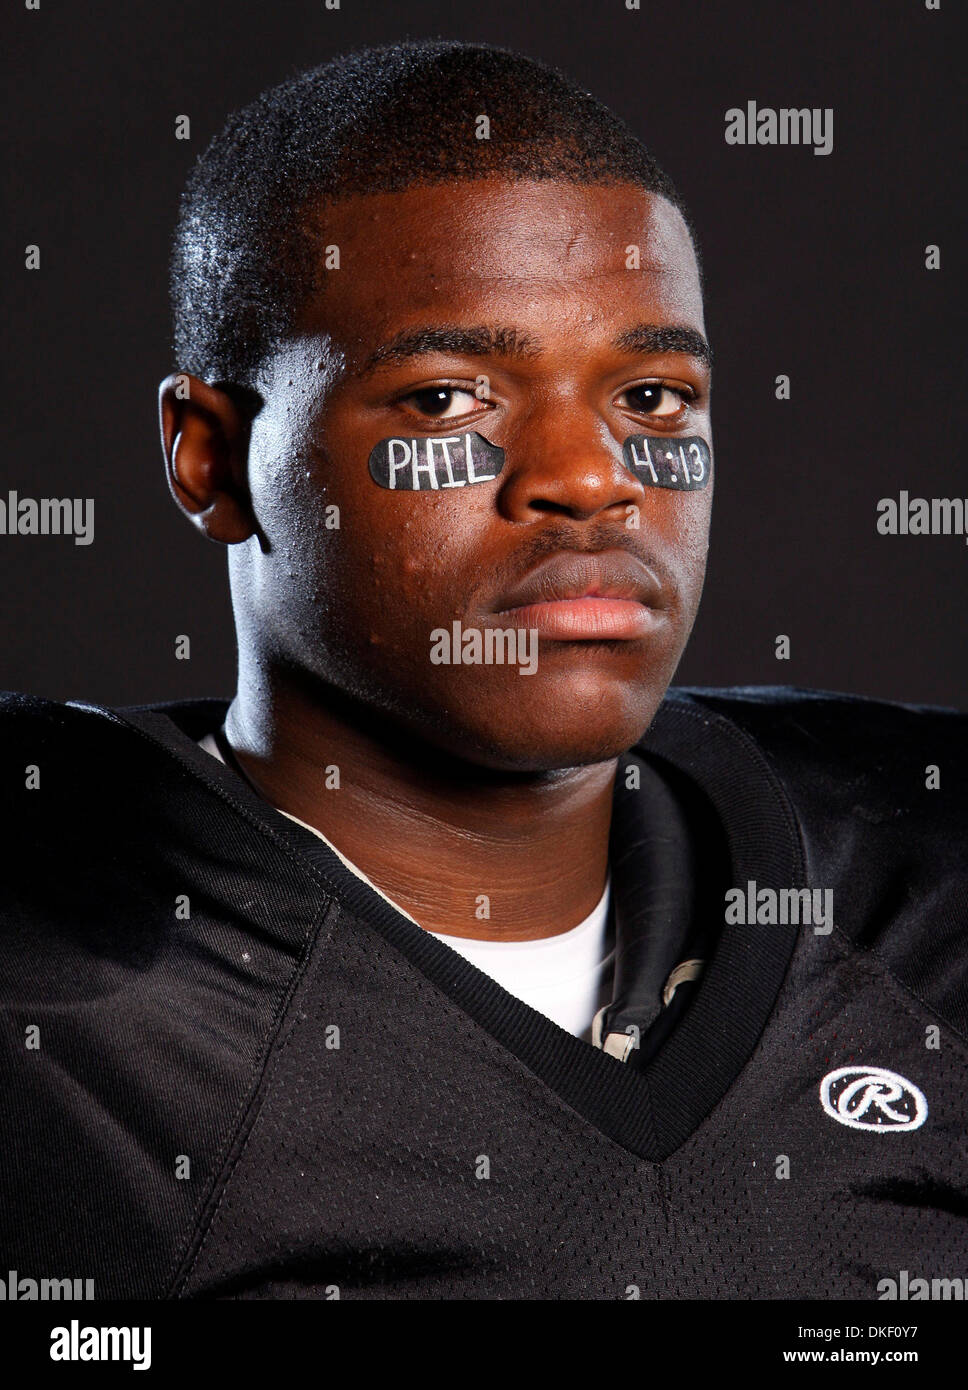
point(848, 760)
point(25, 714)
point(26, 717)
point(824, 740)
point(79, 729)
point(72, 751)
point(879, 791)
point(789, 714)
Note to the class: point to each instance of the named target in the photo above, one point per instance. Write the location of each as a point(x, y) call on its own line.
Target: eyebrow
point(645, 338)
point(487, 340)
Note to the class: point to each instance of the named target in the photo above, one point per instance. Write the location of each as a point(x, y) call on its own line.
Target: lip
point(586, 619)
point(581, 596)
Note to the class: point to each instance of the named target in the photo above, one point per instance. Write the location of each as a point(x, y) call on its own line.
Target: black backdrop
point(815, 266)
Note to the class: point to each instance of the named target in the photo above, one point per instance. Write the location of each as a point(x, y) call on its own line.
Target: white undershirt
point(567, 977)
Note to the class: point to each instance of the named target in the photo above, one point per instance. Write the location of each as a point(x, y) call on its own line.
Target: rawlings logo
point(872, 1098)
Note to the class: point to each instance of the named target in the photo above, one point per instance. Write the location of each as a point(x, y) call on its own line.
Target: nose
point(565, 460)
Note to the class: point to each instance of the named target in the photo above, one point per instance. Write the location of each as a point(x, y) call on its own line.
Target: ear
point(205, 438)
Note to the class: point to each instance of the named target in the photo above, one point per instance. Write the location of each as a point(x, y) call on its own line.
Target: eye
point(655, 398)
point(443, 402)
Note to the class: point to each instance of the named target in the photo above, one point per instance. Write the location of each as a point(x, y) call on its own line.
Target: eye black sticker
point(677, 463)
point(435, 461)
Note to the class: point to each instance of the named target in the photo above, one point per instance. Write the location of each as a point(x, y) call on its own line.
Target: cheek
point(693, 551)
point(690, 534)
point(675, 527)
point(400, 562)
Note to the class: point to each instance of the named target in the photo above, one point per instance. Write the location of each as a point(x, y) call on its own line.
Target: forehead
point(529, 249)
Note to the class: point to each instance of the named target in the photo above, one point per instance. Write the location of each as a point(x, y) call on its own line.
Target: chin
point(572, 720)
point(553, 745)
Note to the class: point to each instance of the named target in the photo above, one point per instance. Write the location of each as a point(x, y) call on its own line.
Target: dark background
point(815, 268)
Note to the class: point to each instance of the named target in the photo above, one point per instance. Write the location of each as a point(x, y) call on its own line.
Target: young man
point(456, 956)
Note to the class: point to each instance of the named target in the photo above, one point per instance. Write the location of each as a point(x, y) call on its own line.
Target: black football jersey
point(231, 1069)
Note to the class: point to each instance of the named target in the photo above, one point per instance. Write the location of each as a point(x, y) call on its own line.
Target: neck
point(465, 850)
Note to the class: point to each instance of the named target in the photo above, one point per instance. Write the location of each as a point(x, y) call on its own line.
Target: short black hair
point(374, 120)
